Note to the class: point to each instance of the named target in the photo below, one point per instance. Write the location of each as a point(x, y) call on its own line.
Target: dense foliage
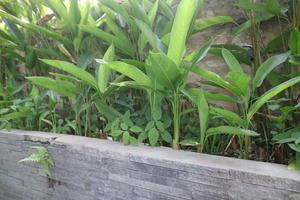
point(120, 69)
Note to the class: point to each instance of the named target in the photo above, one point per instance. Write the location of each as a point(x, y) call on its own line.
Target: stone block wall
point(93, 169)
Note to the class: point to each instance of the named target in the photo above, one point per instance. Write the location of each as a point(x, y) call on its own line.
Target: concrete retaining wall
point(96, 169)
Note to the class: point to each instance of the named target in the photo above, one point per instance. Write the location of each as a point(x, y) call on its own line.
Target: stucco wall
point(89, 168)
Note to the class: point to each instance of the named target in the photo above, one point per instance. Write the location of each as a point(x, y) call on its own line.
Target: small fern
point(42, 157)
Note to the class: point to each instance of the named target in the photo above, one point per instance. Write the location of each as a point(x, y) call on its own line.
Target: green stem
point(176, 119)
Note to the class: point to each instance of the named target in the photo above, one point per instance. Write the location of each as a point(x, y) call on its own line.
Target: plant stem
point(176, 119)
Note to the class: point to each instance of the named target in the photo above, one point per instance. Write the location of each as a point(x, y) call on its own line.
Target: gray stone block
point(93, 169)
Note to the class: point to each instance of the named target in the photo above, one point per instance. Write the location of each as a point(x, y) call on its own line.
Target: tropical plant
point(292, 138)
point(243, 88)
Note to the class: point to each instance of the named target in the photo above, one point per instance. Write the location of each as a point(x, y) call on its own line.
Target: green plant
point(42, 157)
point(162, 75)
point(292, 138)
point(243, 88)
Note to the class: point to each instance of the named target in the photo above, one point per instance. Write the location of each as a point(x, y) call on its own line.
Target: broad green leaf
point(239, 53)
point(63, 87)
point(143, 136)
point(200, 53)
point(166, 136)
point(130, 71)
point(198, 98)
point(15, 32)
point(231, 131)
point(164, 70)
point(139, 12)
point(203, 24)
point(61, 12)
point(295, 147)
point(269, 95)
point(104, 71)
point(245, 26)
point(132, 84)
point(267, 6)
point(83, 20)
point(278, 42)
point(153, 12)
point(229, 116)
point(241, 81)
point(153, 135)
point(15, 115)
point(133, 141)
point(107, 111)
point(215, 78)
point(231, 61)
point(294, 42)
point(126, 138)
point(218, 97)
point(181, 25)
point(136, 129)
point(73, 70)
point(111, 39)
point(151, 37)
point(38, 29)
point(268, 66)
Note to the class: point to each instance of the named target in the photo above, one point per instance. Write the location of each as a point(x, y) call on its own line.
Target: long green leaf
point(198, 98)
point(229, 116)
point(107, 111)
point(203, 24)
point(230, 130)
point(73, 70)
point(200, 53)
point(111, 39)
point(164, 70)
point(231, 61)
point(268, 66)
point(216, 79)
point(182, 22)
point(130, 71)
point(269, 95)
point(151, 37)
point(38, 29)
point(104, 71)
point(63, 87)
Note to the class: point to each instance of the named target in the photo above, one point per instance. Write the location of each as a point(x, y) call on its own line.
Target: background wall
point(96, 169)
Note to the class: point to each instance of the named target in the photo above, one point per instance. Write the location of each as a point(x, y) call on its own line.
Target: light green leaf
point(230, 130)
point(126, 138)
point(269, 95)
point(110, 39)
point(203, 24)
point(228, 115)
point(200, 53)
point(104, 71)
point(164, 70)
point(181, 26)
point(151, 37)
point(63, 87)
point(131, 72)
point(231, 61)
point(73, 70)
point(268, 66)
point(166, 136)
point(153, 135)
point(189, 142)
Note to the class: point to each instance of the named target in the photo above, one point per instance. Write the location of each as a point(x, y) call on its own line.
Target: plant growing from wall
point(42, 157)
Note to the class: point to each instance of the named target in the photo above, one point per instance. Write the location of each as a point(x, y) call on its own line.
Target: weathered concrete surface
point(89, 168)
